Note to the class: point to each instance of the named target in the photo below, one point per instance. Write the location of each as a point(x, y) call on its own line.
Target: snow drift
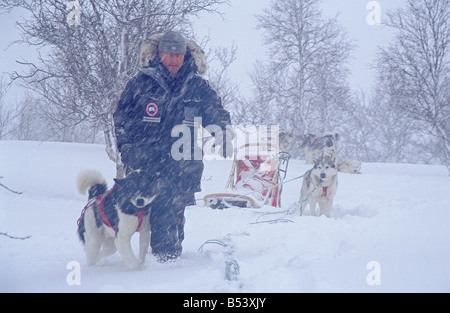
point(388, 232)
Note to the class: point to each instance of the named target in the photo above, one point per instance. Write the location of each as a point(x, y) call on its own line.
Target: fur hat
point(149, 50)
point(172, 42)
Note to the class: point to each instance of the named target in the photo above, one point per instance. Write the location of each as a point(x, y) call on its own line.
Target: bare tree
point(416, 66)
point(92, 58)
point(356, 129)
point(219, 78)
point(7, 114)
point(306, 76)
point(15, 237)
point(392, 134)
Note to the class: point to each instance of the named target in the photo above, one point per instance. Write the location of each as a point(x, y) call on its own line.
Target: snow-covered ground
point(397, 215)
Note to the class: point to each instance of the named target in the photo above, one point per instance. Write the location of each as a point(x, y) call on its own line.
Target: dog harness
point(324, 191)
point(315, 141)
point(100, 200)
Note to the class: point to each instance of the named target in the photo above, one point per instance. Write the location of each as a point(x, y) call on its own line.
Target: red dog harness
point(101, 204)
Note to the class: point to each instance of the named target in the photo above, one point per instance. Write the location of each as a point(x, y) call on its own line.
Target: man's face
point(173, 62)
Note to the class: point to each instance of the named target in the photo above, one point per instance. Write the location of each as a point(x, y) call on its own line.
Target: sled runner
point(256, 178)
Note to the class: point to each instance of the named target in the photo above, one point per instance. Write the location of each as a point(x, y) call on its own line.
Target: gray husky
point(320, 186)
point(313, 146)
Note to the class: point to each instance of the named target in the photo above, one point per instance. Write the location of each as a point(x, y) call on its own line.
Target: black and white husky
point(112, 216)
point(320, 186)
point(314, 146)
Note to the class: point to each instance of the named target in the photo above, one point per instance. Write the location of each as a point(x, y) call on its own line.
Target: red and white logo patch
point(152, 109)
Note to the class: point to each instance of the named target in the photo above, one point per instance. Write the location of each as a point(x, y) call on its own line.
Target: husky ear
point(337, 135)
point(333, 158)
point(317, 158)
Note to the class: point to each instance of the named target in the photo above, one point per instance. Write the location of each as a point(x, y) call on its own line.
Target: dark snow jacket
point(154, 107)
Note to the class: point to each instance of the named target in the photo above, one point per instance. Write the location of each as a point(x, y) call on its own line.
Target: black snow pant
point(167, 210)
point(167, 223)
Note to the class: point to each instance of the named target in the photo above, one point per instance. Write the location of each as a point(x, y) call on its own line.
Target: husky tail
point(92, 181)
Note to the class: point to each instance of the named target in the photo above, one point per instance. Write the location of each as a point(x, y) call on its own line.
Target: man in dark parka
point(167, 92)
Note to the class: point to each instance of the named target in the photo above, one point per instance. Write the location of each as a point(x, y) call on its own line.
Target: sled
point(256, 178)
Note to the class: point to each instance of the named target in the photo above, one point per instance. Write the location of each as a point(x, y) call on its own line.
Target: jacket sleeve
point(121, 116)
point(215, 114)
point(123, 122)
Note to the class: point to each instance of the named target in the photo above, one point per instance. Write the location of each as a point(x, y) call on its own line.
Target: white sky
point(240, 29)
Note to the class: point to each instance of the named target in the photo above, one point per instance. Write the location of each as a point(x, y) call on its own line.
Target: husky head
point(324, 168)
point(313, 146)
point(330, 140)
point(349, 166)
point(285, 140)
point(139, 189)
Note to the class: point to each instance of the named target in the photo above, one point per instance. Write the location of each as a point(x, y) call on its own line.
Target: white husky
point(320, 186)
point(349, 166)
